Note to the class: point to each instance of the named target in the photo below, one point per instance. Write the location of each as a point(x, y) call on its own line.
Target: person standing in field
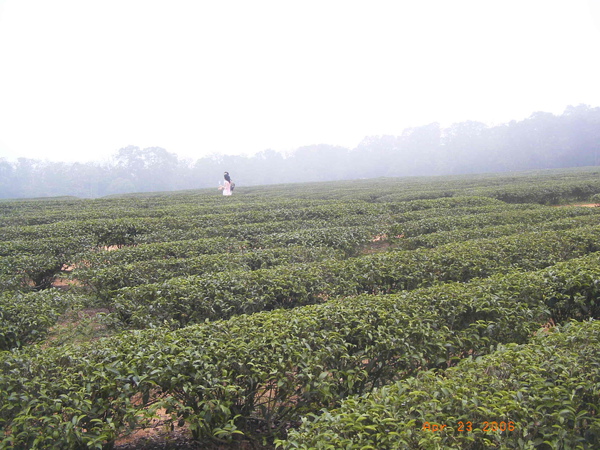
point(228, 187)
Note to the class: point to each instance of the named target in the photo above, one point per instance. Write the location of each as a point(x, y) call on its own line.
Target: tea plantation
point(419, 313)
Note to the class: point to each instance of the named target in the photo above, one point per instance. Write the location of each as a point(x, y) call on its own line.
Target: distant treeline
point(542, 141)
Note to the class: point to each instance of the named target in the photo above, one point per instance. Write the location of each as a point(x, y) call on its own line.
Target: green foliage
point(482, 218)
point(539, 395)
point(26, 317)
point(270, 368)
point(193, 299)
point(282, 302)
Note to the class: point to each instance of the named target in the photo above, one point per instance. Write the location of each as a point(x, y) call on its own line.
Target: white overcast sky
point(80, 79)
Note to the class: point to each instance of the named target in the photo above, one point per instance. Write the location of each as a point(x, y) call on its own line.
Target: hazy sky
point(80, 79)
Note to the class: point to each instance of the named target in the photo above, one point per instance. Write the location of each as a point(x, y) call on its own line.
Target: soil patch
point(77, 327)
point(159, 438)
point(379, 243)
point(586, 205)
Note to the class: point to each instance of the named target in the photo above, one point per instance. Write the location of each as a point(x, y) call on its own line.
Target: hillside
point(542, 141)
point(348, 314)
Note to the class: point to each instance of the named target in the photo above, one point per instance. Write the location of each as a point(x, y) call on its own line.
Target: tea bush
point(264, 371)
point(543, 394)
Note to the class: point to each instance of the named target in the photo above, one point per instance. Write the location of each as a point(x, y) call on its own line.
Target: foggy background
point(542, 141)
point(80, 80)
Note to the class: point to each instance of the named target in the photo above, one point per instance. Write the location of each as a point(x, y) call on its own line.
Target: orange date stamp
point(467, 426)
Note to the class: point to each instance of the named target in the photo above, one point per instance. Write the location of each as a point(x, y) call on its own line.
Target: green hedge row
point(66, 246)
point(26, 317)
point(138, 221)
point(318, 233)
point(347, 239)
point(182, 301)
point(202, 211)
point(420, 219)
point(264, 371)
point(542, 187)
point(543, 394)
point(350, 240)
point(99, 259)
point(499, 216)
point(135, 231)
point(102, 272)
point(33, 265)
point(112, 221)
point(436, 239)
point(546, 192)
point(104, 280)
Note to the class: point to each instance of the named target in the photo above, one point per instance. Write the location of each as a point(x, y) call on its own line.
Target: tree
point(7, 180)
point(419, 152)
point(463, 147)
point(150, 169)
